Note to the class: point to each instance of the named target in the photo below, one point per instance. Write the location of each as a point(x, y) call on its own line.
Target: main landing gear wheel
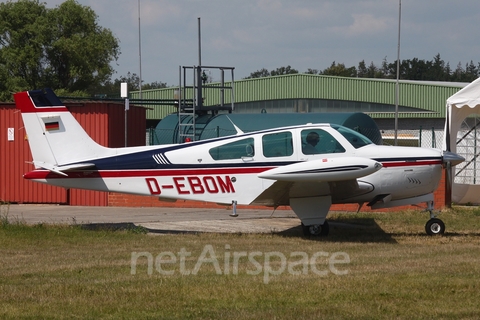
point(317, 230)
point(435, 226)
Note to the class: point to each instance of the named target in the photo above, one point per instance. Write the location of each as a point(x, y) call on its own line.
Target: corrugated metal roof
point(430, 96)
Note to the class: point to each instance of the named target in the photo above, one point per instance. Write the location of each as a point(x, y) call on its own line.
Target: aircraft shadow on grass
point(346, 230)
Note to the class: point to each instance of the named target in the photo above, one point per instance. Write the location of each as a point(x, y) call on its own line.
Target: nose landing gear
point(434, 226)
point(316, 230)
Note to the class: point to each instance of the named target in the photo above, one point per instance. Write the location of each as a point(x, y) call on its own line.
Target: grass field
point(371, 266)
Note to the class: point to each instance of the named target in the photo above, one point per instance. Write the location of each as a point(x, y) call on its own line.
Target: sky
point(250, 35)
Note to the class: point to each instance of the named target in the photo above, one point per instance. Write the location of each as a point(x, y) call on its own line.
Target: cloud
point(255, 34)
point(160, 13)
point(363, 24)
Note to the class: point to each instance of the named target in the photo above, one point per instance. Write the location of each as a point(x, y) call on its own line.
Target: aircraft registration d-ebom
point(307, 167)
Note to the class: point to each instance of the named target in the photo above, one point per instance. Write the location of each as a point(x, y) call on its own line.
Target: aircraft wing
point(60, 169)
point(278, 194)
point(324, 170)
point(312, 186)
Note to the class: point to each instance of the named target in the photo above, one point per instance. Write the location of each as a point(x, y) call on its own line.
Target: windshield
point(356, 139)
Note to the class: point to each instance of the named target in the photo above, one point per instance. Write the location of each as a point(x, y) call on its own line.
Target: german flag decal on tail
point(52, 126)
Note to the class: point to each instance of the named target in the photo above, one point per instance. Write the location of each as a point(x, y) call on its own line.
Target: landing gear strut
point(434, 226)
point(234, 209)
point(317, 230)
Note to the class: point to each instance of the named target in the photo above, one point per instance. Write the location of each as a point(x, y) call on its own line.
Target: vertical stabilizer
point(54, 135)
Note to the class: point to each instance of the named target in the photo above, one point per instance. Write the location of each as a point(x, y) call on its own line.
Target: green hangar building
point(421, 104)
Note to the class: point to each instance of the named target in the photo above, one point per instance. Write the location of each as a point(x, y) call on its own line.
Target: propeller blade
point(450, 159)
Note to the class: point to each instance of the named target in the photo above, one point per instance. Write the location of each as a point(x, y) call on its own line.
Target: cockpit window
point(234, 150)
point(318, 141)
point(356, 139)
point(277, 144)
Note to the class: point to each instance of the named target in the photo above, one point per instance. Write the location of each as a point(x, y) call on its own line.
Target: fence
point(411, 138)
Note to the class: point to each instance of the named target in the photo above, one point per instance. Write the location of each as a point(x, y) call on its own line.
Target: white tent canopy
point(459, 106)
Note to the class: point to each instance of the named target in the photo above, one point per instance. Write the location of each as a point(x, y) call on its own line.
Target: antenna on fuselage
point(239, 131)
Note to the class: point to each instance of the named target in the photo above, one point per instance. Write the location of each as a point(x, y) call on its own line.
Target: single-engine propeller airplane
point(308, 167)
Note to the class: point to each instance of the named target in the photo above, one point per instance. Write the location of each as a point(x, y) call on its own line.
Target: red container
point(103, 121)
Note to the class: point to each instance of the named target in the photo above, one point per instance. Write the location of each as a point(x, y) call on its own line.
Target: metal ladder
point(191, 100)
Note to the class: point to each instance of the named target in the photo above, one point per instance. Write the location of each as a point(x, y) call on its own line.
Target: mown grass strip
point(394, 271)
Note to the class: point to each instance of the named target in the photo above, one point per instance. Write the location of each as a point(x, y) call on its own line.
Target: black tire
point(435, 227)
point(316, 230)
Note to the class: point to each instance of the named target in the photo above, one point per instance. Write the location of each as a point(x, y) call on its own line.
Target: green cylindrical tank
point(208, 126)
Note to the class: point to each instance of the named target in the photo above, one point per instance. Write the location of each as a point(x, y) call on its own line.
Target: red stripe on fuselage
point(45, 174)
point(411, 163)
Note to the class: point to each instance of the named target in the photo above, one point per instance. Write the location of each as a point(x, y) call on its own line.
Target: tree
point(340, 70)
point(385, 71)
point(259, 74)
point(283, 70)
point(22, 30)
point(362, 70)
point(111, 89)
point(458, 74)
point(61, 48)
point(79, 50)
point(439, 70)
point(312, 71)
point(154, 85)
point(374, 72)
point(410, 69)
point(277, 72)
point(471, 72)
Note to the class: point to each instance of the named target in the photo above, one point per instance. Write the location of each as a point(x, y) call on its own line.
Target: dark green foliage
point(79, 51)
point(410, 69)
point(111, 89)
point(61, 48)
point(339, 70)
point(265, 73)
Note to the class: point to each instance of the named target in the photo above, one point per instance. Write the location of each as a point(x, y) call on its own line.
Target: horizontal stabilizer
point(60, 170)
